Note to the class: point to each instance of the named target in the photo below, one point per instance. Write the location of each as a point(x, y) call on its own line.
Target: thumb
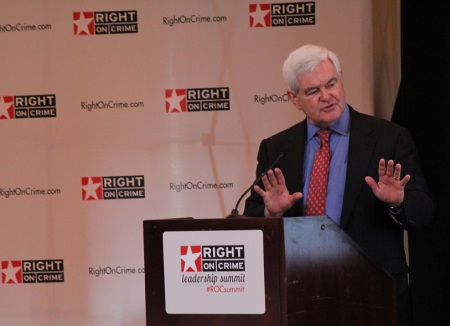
point(371, 183)
point(295, 196)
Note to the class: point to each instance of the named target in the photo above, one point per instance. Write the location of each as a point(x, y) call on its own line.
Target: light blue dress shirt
point(339, 140)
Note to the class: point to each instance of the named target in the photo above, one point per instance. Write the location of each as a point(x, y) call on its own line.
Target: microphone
point(235, 211)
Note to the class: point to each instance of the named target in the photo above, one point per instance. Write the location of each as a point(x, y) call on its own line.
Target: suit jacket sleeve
point(418, 206)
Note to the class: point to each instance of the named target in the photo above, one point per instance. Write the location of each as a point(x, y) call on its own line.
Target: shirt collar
point(341, 126)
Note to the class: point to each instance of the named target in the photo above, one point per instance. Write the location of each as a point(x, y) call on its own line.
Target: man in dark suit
point(375, 188)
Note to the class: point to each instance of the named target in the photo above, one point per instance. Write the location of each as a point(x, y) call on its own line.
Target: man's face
point(321, 96)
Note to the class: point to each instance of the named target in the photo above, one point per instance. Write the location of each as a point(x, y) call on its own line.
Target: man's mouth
point(329, 107)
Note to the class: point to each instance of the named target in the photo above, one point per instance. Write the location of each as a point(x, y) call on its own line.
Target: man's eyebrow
point(309, 89)
point(332, 79)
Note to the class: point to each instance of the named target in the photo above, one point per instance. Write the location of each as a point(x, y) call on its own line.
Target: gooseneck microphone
point(235, 211)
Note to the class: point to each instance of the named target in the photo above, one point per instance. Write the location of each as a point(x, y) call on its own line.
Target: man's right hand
point(277, 199)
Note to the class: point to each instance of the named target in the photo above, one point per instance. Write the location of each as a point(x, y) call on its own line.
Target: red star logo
point(259, 15)
point(6, 107)
point(92, 188)
point(175, 100)
point(11, 271)
point(191, 258)
point(83, 23)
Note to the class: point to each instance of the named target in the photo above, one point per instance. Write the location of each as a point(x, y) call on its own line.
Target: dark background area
point(423, 106)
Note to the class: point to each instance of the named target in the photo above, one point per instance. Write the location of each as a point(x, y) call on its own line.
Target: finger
point(405, 180)
point(381, 167)
point(279, 176)
point(266, 182)
point(371, 182)
point(294, 197)
point(272, 179)
point(397, 171)
point(390, 168)
point(259, 191)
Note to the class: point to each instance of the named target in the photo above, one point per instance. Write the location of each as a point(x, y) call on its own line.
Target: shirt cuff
point(395, 213)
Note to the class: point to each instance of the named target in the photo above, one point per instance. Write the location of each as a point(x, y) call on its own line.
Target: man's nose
point(324, 94)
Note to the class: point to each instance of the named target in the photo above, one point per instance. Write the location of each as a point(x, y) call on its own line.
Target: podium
point(302, 271)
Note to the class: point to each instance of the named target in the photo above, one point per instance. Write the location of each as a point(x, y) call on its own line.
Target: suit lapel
point(293, 165)
point(360, 154)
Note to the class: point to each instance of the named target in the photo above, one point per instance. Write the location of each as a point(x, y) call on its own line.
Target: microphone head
point(281, 155)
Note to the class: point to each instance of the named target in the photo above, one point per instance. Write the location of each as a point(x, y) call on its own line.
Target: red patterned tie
point(317, 193)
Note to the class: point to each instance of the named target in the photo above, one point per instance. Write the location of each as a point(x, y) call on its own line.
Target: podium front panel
point(255, 255)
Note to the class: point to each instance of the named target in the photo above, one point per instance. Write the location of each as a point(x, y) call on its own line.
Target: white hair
point(303, 60)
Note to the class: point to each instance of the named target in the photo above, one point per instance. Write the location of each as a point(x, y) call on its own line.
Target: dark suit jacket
point(363, 218)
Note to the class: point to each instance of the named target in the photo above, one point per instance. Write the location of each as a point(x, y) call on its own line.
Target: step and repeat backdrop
point(116, 112)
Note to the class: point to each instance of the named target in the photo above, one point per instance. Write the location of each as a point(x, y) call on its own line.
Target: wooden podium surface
point(314, 274)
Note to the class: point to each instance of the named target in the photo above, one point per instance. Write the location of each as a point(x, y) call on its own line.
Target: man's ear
point(292, 96)
point(294, 99)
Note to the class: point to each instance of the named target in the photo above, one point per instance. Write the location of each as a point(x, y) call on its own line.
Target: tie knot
point(324, 135)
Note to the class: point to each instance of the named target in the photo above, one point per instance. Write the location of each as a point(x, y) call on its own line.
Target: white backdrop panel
point(170, 150)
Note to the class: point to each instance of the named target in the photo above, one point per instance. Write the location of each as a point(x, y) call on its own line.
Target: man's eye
point(332, 83)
